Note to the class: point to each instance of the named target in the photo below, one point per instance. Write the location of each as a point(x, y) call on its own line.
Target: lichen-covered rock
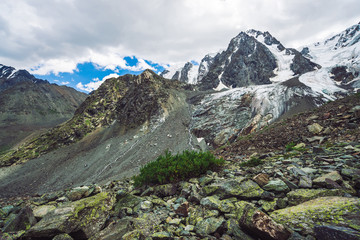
point(208, 226)
point(127, 201)
point(302, 195)
point(337, 211)
point(238, 187)
point(114, 231)
point(276, 185)
point(22, 221)
point(333, 176)
point(147, 222)
point(41, 211)
point(268, 206)
point(213, 202)
point(258, 223)
point(233, 228)
point(79, 192)
point(161, 235)
point(315, 128)
point(84, 217)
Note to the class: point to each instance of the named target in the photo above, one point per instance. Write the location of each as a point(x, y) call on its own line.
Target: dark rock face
point(245, 62)
point(205, 63)
point(185, 72)
point(248, 60)
point(340, 74)
point(335, 232)
point(300, 64)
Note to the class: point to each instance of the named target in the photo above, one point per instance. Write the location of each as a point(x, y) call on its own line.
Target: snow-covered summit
point(339, 56)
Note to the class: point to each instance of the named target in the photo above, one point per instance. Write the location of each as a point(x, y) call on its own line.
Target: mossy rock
point(127, 201)
point(338, 211)
point(238, 187)
point(302, 195)
point(86, 216)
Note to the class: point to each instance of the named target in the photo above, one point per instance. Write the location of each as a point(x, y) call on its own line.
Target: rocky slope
point(28, 104)
point(305, 190)
point(124, 124)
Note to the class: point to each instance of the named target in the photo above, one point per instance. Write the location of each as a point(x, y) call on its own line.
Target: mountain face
point(28, 104)
point(339, 56)
point(252, 58)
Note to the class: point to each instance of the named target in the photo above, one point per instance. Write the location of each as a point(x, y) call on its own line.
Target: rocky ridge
point(129, 101)
point(29, 105)
point(300, 190)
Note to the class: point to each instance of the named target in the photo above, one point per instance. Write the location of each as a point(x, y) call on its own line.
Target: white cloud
point(56, 35)
point(95, 84)
point(65, 83)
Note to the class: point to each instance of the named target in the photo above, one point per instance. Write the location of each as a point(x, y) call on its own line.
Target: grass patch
point(172, 168)
point(252, 162)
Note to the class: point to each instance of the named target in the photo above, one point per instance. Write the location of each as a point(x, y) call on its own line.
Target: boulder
point(127, 201)
point(302, 195)
point(114, 231)
point(213, 202)
point(326, 232)
point(78, 193)
point(258, 223)
point(82, 218)
point(208, 226)
point(41, 211)
point(237, 187)
point(315, 128)
point(262, 179)
point(183, 209)
point(336, 211)
point(276, 185)
point(161, 235)
point(323, 181)
point(22, 221)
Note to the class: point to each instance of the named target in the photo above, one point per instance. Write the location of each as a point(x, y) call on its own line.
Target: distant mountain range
point(28, 105)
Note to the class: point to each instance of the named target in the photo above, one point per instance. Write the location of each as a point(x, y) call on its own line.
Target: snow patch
point(220, 87)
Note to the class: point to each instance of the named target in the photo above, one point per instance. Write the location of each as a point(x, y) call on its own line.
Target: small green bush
point(172, 168)
point(290, 146)
point(252, 162)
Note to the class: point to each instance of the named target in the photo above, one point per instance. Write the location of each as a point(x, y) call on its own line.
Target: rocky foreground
point(305, 193)
point(306, 189)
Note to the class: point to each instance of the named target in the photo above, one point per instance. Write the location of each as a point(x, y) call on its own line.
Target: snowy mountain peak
point(347, 38)
point(9, 76)
point(266, 38)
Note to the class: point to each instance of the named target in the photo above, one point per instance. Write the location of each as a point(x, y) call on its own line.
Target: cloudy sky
point(81, 42)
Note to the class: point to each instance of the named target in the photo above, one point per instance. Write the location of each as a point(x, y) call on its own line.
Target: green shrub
point(252, 162)
point(290, 146)
point(172, 168)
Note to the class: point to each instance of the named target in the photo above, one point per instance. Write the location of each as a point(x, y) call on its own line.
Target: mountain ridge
point(29, 105)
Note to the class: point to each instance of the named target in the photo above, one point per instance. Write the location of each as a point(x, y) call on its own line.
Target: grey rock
point(276, 185)
point(208, 226)
point(328, 232)
point(305, 182)
point(22, 221)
